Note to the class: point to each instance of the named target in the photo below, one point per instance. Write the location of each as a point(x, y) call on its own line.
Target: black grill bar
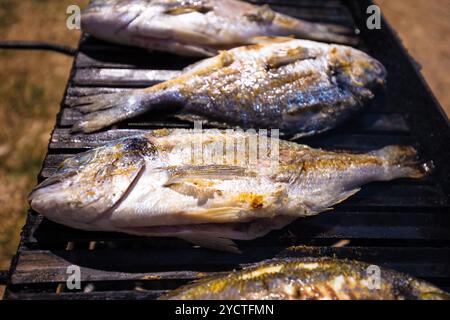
point(3, 276)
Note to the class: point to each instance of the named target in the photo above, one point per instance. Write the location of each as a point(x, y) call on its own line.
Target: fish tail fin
point(103, 110)
point(403, 161)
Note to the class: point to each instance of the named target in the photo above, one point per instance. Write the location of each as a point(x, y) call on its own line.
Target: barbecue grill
point(403, 224)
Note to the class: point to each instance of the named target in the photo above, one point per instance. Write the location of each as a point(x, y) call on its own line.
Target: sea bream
point(157, 184)
point(308, 279)
point(298, 86)
point(198, 27)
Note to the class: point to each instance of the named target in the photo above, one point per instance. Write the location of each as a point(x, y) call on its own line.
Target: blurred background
point(33, 82)
point(31, 87)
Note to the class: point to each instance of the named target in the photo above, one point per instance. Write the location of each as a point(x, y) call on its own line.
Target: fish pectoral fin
point(218, 215)
point(261, 14)
point(284, 57)
point(269, 39)
point(182, 174)
point(197, 189)
point(199, 181)
point(212, 241)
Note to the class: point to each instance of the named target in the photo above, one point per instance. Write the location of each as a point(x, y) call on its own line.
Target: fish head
point(109, 19)
point(356, 69)
point(88, 186)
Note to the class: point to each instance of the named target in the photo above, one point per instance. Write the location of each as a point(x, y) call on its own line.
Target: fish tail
point(403, 161)
point(103, 110)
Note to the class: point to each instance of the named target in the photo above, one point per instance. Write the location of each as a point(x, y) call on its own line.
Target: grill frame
point(402, 224)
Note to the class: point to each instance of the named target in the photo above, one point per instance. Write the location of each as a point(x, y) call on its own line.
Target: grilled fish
point(197, 27)
point(298, 86)
point(308, 279)
point(208, 186)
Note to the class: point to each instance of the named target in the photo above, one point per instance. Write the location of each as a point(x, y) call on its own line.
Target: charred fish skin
point(307, 279)
point(197, 27)
point(150, 185)
point(300, 87)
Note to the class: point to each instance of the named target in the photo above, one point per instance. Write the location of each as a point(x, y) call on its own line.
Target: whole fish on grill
point(308, 279)
point(160, 184)
point(197, 27)
point(298, 86)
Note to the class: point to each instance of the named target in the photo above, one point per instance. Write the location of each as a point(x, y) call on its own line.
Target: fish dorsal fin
point(178, 7)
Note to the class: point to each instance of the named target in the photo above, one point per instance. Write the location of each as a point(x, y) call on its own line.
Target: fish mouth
point(356, 68)
point(378, 72)
point(362, 75)
point(369, 70)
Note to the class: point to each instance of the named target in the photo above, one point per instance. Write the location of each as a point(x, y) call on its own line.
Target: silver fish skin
point(197, 27)
point(298, 86)
point(307, 279)
point(150, 185)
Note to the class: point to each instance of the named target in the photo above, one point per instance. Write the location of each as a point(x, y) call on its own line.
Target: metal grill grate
point(402, 224)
